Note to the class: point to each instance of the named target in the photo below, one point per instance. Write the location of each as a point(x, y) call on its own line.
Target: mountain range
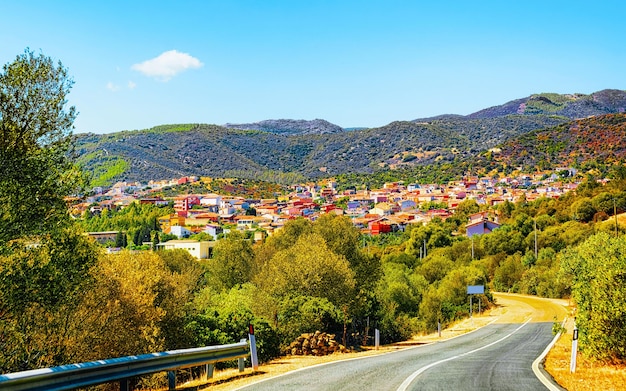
point(317, 148)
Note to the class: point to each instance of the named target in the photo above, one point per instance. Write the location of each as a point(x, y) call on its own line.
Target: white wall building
point(200, 250)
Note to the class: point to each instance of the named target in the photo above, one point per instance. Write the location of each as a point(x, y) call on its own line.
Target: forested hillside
point(587, 143)
point(312, 149)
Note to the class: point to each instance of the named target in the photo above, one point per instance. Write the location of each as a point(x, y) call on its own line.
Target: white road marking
point(405, 384)
point(542, 378)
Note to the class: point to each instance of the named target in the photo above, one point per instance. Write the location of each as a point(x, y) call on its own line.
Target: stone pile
point(316, 344)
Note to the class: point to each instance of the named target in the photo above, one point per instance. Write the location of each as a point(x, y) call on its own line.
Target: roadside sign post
point(474, 290)
point(572, 365)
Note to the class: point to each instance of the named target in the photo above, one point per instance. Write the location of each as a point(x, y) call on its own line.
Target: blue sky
point(137, 64)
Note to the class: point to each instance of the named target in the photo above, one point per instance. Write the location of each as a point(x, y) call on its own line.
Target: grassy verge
point(589, 375)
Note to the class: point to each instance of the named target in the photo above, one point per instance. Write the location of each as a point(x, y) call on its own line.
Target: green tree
point(583, 210)
point(435, 267)
point(232, 262)
point(41, 288)
point(309, 268)
point(504, 239)
point(508, 274)
point(290, 233)
point(155, 240)
point(36, 170)
point(224, 317)
point(45, 261)
point(125, 306)
point(120, 239)
point(467, 207)
point(597, 269)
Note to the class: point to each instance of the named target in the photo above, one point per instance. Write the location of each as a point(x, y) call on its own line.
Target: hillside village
point(374, 211)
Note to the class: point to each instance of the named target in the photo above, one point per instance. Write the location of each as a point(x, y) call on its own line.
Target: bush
point(597, 268)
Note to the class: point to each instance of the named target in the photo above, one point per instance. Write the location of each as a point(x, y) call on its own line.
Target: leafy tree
point(504, 239)
point(506, 209)
point(223, 317)
point(435, 267)
point(508, 274)
point(201, 236)
point(448, 301)
point(232, 262)
point(401, 287)
point(583, 210)
point(604, 202)
point(126, 305)
point(121, 240)
point(308, 268)
point(343, 238)
point(155, 240)
point(290, 233)
point(36, 170)
point(597, 269)
point(45, 261)
point(41, 288)
point(436, 235)
point(467, 207)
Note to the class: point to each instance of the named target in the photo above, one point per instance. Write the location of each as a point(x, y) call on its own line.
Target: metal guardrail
point(67, 377)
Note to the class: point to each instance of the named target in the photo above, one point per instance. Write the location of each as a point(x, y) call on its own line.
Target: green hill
point(309, 149)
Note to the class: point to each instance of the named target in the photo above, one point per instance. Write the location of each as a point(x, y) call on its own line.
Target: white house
point(180, 231)
point(200, 250)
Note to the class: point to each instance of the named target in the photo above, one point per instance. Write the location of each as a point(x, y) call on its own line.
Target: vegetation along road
point(498, 356)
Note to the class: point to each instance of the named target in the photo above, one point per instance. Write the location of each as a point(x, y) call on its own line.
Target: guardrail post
point(242, 363)
point(125, 385)
point(208, 371)
point(171, 380)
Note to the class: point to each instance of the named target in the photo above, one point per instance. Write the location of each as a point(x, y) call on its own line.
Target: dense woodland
point(63, 299)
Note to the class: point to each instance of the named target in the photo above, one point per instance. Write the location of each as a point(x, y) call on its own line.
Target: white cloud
point(112, 87)
point(132, 85)
point(167, 65)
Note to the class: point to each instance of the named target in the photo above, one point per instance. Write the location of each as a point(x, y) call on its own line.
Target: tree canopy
point(36, 171)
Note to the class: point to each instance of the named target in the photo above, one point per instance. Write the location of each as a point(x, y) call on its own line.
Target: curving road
point(498, 356)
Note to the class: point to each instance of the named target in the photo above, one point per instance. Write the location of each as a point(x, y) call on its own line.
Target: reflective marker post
point(572, 365)
point(253, 355)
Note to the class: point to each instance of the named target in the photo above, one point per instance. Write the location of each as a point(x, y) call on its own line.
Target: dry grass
point(589, 376)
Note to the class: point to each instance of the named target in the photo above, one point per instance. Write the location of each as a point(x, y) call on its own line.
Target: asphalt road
point(498, 356)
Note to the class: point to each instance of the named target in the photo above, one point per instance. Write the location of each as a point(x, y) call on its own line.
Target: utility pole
point(615, 216)
point(535, 220)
